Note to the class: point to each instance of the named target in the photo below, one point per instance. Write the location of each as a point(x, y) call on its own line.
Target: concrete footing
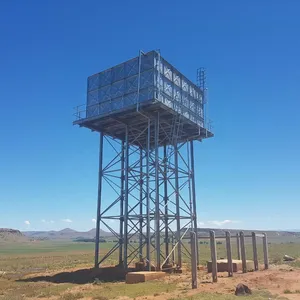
point(222, 265)
point(136, 277)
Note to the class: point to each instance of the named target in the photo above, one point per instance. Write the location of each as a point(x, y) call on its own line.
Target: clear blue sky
point(249, 173)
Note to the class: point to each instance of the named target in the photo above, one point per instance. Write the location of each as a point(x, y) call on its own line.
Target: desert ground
point(62, 271)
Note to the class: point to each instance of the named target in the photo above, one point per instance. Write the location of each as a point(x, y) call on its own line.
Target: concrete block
point(136, 277)
point(222, 265)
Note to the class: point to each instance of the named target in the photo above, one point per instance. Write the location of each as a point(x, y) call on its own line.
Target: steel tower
point(148, 116)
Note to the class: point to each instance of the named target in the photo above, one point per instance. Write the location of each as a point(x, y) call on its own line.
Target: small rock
point(288, 258)
point(2, 273)
point(97, 281)
point(242, 290)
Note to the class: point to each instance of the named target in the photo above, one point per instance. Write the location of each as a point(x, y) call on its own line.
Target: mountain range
point(70, 234)
point(65, 234)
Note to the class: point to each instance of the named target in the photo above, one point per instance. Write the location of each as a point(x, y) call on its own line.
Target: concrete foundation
point(222, 265)
point(136, 277)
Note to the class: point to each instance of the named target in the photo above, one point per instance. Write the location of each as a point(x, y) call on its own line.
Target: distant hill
point(65, 234)
point(8, 235)
point(69, 234)
point(274, 236)
point(270, 233)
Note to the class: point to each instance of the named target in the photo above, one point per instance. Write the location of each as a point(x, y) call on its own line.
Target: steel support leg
point(178, 229)
point(141, 208)
point(148, 243)
point(99, 201)
point(121, 241)
point(194, 199)
point(126, 200)
point(157, 212)
point(166, 203)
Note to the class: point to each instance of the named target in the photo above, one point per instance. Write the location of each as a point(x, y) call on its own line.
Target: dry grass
point(20, 264)
point(115, 290)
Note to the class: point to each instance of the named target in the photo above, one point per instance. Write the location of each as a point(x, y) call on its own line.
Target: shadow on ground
point(81, 276)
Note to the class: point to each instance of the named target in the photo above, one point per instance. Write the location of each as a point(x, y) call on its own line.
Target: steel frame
point(155, 196)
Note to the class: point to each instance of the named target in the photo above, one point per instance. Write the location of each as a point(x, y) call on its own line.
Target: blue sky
point(246, 175)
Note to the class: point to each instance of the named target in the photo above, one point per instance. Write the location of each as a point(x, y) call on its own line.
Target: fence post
point(238, 246)
point(194, 259)
point(213, 251)
point(255, 259)
point(229, 255)
point(243, 252)
point(266, 253)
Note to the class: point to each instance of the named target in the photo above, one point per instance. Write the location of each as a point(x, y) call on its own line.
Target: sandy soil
point(276, 280)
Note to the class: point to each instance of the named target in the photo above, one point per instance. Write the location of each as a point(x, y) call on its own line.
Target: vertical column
point(243, 252)
point(192, 172)
point(121, 241)
point(194, 260)
point(179, 261)
point(255, 258)
point(157, 212)
point(100, 174)
point(126, 161)
point(266, 252)
point(141, 208)
point(213, 251)
point(148, 242)
point(166, 203)
point(238, 246)
point(229, 255)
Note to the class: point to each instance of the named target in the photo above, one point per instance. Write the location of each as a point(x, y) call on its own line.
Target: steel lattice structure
point(146, 187)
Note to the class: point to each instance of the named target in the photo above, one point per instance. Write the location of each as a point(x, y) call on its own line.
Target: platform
point(114, 125)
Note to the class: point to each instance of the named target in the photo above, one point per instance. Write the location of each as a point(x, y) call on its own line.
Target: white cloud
point(200, 223)
point(94, 220)
point(67, 220)
point(224, 222)
point(27, 223)
point(47, 222)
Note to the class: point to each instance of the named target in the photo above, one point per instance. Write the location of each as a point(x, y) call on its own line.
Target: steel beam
point(178, 228)
point(141, 207)
point(121, 232)
point(192, 173)
point(165, 177)
point(148, 243)
point(126, 200)
point(157, 198)
point(100, 174)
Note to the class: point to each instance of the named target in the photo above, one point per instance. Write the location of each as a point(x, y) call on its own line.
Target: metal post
point(266, 252)
point(179, 262)
point(173, 252)
point(243, 252)
point(229, 254)
point(157, 212)
point(213, 251)
point(166, 204)
point(148, 198)
point(99, 201)
point(255, 259)
point(192, 172)
point(121, 241)
point(141, 208)
point(126, 199)
point(238, 246)
point(194, 260)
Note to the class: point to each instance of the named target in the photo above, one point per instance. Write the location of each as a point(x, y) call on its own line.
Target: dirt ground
point(278, 280)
